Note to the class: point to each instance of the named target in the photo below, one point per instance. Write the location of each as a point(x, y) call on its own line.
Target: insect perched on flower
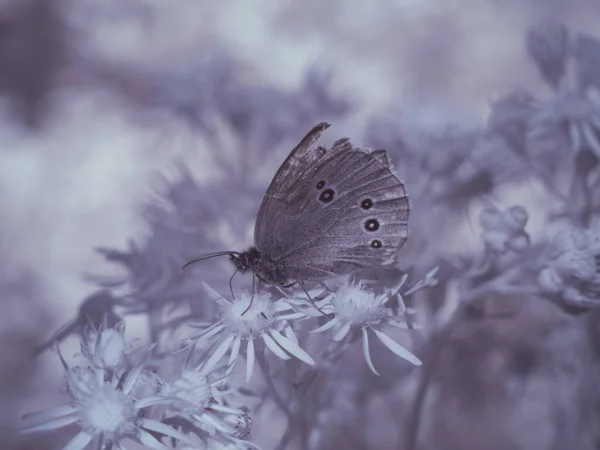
point(326, 213)
point(264, 320)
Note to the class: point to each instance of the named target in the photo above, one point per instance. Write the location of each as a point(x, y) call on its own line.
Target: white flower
point(353, 305)
point(105, 347)
point(104, 409)
point(264, 319)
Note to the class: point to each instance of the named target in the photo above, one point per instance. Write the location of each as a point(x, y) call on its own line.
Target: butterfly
point(326, 212)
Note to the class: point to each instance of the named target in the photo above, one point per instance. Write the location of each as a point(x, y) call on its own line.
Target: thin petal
point(289, 333)
point(150, 441)
point(574, 136)
point(292, 347)
point(79, 442)
point(132, 378)
point(401, 304)
point(50, 414)
point(326, 326)
point(212, 332)
point(591, 138)
point(249, 359)
point(342, 332)
point(219, 353)
point(291, 316)
point(276, 349)
point(211, 292)
point(397, 348)
point(397, 288)
point(159, 427)
point(151, 401)
point(235, 351)
point(51, 425)
point(281, 306)
point(365, 346)
point(226, 409)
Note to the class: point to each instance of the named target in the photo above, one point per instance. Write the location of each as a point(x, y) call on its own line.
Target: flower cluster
point(505, 230)
point(113, 397)
point(252, 317)
point(572, 273)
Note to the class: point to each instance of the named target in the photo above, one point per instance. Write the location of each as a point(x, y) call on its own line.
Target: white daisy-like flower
point(264, 320)
point(355, 306)
point(194, 393)
point(105, 409)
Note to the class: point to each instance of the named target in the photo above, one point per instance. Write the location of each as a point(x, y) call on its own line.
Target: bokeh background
point(161, 124)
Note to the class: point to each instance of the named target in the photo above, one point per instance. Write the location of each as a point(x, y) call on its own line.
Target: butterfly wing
point(299, 164)
point(347, 211)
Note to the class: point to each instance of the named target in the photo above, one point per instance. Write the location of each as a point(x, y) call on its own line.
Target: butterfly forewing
point(298, 165)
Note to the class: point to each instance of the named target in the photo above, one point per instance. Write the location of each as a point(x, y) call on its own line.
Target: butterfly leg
point(231, 285)
point(310, 298)
point(252, 296)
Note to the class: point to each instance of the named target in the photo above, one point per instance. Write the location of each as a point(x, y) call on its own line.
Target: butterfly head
point(247, 260)
point(261, 265)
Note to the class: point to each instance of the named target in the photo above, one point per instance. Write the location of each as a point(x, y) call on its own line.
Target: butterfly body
point(262, 265)
point(327, 212)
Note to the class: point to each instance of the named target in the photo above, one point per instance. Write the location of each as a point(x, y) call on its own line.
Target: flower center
point(108, 412)
point(194, 390)
point(254, 320)
point(358, 305)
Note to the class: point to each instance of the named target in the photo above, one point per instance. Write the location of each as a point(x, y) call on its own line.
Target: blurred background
point(136, 134)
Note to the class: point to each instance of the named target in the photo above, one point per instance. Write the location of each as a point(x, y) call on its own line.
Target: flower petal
point(211, 292)
point(132, 378)
point(289, 333)
point(219, 353)
point(79, 442)
point(51, 425)
point(281, 306)
point(226, 409)
point(397, 348)
point(276, 349)
point(292, 347)
point(342, 332)
point(249, 359)
point(159, 427)
point(151, 401)
point(49, 414)
point(150, 441)
point(574, 136)
point(210, 332)
point(365, 346)
point(235, 351)
point(326, 326)
point(591, 138)
point(291, 316)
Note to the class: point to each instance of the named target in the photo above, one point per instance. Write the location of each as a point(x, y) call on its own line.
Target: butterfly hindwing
point(352, 212)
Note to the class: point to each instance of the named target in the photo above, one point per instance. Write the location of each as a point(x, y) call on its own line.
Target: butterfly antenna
point(310, 299)
point(210, 255)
